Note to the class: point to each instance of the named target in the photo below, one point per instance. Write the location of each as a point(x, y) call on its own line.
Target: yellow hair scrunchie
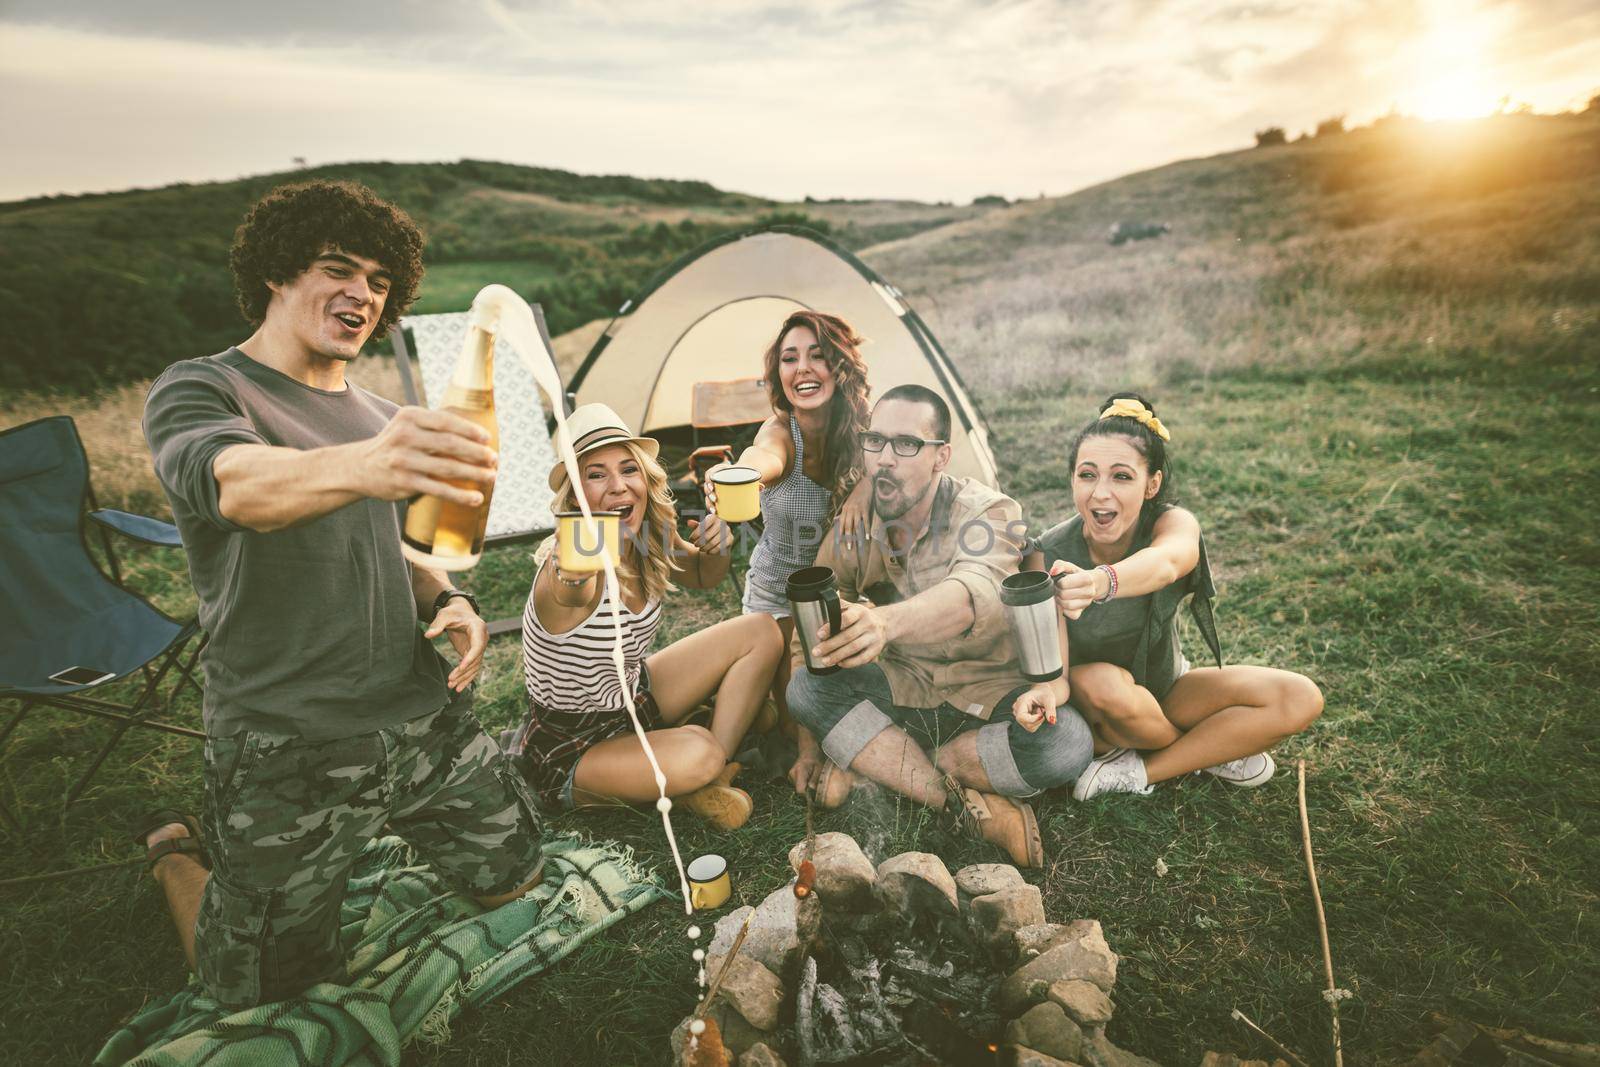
point(1125, 407)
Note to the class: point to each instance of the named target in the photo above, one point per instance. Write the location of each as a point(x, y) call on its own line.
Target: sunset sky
point(926, 99)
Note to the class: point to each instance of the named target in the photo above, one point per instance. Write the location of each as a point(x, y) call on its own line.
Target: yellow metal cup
point(709, 886)
point(577, 552)
point(738, 493)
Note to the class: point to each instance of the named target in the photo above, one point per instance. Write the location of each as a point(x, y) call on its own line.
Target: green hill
point(99, 290)
point(1419, 249)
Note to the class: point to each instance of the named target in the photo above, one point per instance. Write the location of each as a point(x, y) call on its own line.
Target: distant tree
point(1330, 127)
point(1594, 103)
point(991, 200)
point(1272, 135)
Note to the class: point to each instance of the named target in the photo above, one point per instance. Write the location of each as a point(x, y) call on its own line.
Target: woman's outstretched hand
point(1036, 707)
point(1076, 588)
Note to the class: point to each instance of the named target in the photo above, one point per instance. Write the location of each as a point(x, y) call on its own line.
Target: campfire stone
point(845, 877)
point(760, 1055)
point(981, 879)
point(1083, 1001)
point(1088, 957)
point(998, 916)
point(755, 992)
point(772, 941)
point(914, 882)
point(1033, 940)
point(1046, 1028)
point(1098, 1051)
point(1028, 1057)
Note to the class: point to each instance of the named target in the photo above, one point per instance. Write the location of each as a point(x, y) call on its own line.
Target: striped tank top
point(572, 671)
point(794, 512)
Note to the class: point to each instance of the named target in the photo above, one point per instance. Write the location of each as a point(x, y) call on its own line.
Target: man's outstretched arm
point(265, 488)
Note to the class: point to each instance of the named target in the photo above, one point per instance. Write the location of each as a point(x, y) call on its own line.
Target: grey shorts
point(846, 710)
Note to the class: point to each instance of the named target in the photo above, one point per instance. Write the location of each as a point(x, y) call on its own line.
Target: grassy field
point(1378, 359)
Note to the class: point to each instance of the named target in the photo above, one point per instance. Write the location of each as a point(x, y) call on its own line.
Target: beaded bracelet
point(1111, 586)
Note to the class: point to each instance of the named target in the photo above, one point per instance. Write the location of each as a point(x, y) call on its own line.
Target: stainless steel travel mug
point(1030, 601)
point(813, 600)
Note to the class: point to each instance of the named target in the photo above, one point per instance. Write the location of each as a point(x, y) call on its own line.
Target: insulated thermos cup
point(814, 600)
point(1030, 601)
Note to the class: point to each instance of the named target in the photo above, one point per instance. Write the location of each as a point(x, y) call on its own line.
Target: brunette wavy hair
point(848, 413)
point(291, 226)
point(654, 565)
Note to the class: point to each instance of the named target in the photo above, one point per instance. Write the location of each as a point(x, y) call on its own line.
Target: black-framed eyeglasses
point(903, 444)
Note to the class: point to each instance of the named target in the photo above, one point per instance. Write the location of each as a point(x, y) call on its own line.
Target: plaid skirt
point(547, 746)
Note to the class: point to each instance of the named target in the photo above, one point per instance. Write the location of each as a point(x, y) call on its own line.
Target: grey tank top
point(1139, 633)
point(794, 512)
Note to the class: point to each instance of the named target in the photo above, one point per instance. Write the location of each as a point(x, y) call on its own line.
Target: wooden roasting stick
point(727, 965)
point(1277, 1046)
point(1332, 993)
point(806, 875)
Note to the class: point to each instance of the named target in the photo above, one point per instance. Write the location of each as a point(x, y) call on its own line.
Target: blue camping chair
point(62, 612)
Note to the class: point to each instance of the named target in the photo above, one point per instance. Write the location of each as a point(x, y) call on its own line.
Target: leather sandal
point(1002, 821)
point(190, 846)
point(726, 807)
point(729, 772)
point(832, 785)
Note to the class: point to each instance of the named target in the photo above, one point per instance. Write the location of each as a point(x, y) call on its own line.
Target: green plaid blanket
point(418, 953)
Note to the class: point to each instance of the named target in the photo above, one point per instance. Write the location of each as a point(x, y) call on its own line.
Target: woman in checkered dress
point(809, 459)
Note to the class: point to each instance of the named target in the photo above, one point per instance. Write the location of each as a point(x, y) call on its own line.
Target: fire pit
point(904, 964)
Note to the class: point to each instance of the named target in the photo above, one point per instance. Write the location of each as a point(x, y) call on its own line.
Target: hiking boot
point(1118, 771)
point(1002, 821)
point(1247, 771)
point(724, 806)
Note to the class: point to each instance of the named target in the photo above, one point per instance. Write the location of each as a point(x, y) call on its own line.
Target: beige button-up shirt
point(974, 536)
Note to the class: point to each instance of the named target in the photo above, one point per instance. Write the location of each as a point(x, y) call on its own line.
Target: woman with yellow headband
point(1124, 564)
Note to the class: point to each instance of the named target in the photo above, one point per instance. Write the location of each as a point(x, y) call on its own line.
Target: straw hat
point(590, 427)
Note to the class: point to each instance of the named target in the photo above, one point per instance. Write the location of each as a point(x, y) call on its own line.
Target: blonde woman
point(577, 746)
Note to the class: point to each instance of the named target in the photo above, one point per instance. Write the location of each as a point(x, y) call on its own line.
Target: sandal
point(191, 845)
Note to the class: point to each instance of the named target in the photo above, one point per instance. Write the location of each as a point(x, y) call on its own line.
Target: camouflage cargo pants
point(285, 819)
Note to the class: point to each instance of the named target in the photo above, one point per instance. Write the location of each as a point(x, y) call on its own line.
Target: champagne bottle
point(439, 533)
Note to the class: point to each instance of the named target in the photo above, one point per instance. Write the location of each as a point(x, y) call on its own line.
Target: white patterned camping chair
point(521, 509)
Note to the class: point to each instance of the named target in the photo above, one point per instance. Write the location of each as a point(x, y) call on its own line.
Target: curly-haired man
point(328, 713)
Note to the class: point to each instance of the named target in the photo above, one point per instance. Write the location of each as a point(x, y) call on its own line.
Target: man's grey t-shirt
point(313, 629)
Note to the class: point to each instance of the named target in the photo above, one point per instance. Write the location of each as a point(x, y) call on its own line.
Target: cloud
point(935, 99)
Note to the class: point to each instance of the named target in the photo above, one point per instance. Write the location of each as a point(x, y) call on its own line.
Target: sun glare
point(1450, 66)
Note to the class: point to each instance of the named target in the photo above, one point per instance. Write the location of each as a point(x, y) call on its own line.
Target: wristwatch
point(444, 597)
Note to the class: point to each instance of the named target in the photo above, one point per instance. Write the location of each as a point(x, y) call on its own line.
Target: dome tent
point(711, 314)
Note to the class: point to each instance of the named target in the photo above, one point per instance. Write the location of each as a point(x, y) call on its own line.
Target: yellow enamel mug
point(738, 493)
point(580, 553)
point(709, 886)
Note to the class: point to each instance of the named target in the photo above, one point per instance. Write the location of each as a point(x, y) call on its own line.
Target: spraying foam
point(502, 312)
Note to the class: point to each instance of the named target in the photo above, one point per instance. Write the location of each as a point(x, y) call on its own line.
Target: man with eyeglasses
point(927, 660)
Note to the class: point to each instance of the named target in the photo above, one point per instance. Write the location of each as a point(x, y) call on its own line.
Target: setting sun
point(1451, 67)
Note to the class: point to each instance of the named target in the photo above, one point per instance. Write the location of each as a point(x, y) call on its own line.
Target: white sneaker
point(1118, 771)
point(1246, 771)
